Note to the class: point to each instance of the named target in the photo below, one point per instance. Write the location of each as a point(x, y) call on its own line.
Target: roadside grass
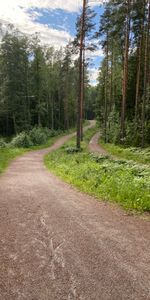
point(132, 153)
point(124, 182)
point(7, 154)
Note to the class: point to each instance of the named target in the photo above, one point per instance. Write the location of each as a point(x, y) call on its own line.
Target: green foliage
point(7, 154)
point(2, 143)
point(131, 153)
point(120, 181)
point(38, 136)
point(113, 125)
point(71, 150)
point(22, 140)
point(123, 102)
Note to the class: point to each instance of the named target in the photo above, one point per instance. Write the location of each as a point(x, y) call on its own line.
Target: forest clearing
point(75, 150)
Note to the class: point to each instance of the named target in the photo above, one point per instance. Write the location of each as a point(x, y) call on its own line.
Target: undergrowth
point(8, 153)
point(126, 183)
point(131, 153)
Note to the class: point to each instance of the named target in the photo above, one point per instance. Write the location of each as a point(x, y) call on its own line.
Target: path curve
point(95, 147)
point(59, 244)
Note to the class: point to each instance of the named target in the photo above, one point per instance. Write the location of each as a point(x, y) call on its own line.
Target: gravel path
point(95, 147)
point(58, 243)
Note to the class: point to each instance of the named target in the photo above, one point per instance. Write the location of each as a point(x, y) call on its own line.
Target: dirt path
point(95, 147)
point(59, 244)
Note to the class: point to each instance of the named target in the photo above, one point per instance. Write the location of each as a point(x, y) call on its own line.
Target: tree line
point(38, 85)
point(42, 86)
point(123, 92)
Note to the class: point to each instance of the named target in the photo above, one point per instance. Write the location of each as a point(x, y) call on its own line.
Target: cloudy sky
point(53, 20)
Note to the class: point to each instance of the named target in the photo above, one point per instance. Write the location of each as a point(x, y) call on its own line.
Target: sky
point(53, 20)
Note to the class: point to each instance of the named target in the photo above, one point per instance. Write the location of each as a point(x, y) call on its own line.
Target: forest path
point(59, 244)
point(95, 147)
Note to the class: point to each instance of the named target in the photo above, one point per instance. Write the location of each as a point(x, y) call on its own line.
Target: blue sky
point(54, 20)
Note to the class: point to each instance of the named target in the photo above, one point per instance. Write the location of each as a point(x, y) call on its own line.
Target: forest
point(123, 102)
point(40, 85)
point(74, 149)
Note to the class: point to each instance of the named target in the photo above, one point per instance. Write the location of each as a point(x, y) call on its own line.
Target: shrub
point(2, 143)
point(38, 136)
point(71, 150)
point(22, 140)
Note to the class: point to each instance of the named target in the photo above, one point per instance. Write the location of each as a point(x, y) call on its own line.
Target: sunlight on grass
point(136, 154)
point(126, 183)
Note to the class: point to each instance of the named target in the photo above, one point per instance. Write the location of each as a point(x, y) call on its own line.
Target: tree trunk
point(82, 96)
point(125, 72)
point(145, 75)
point(80, 78)
point(106, 93)
point(139, 58)
point(66, 119)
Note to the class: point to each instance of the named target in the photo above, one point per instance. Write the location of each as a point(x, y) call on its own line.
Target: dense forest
point(44, 86)
point(123, 100)
point(38, 85)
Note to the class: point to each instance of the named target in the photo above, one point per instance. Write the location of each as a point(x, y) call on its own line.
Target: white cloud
point(93, 75)
point(17, 12)
point(22, 14)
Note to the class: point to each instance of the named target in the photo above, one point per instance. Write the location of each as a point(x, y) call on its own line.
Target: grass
point(8, 154)
point(126, 183)
point(136, 154)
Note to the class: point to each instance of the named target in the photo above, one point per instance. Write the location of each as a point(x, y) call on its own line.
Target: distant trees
point(123, 102)
point(38, 85)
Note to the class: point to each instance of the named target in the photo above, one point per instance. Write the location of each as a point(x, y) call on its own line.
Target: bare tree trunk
point(125, 73)
point(15, 125)
point(106, 93)
point(82, 97)
point(52, 113)
point(80, 78)
point(66, 119)
point(145, 75)
point(139, 55)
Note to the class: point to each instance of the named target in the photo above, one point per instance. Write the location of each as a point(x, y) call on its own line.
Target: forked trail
point(58, 243)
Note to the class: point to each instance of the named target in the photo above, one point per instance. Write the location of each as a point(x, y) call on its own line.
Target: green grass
point(136, 154)
point(126, 183)
point(8, 154)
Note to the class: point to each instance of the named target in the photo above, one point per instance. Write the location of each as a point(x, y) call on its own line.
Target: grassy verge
point(136, 154)
point(8, 154)
point(126, 183)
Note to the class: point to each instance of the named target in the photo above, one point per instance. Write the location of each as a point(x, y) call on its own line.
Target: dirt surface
point(57, 243)
point(95, 147)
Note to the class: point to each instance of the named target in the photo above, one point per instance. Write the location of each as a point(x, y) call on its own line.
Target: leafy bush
point(99, 158)
point(2, 143)
point(22, 140)
point(38, 136)
point(71, 150)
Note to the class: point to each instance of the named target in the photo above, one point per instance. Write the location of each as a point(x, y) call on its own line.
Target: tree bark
point(146, 79)
point(139, 58)
point(125, 72)
point(80, 78)
point(82, 95)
